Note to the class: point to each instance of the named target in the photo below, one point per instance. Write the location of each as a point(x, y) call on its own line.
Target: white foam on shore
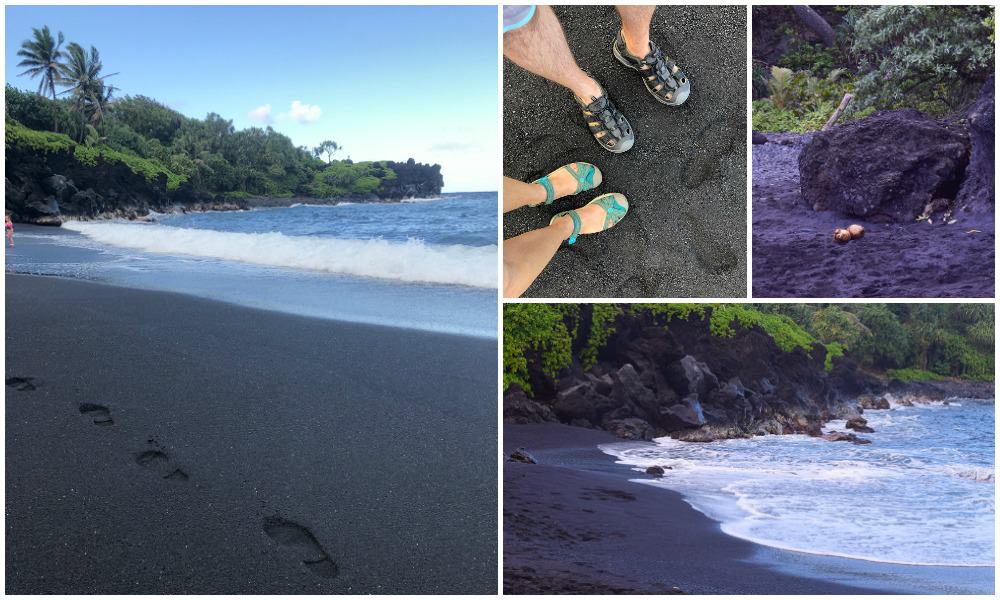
point(412, 261)
point(920, 494)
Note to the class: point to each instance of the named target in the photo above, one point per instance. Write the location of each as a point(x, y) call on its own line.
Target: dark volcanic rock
point(519, 408)
point(888, 166)
point(758, 138)
point(521, 455)
point(978, 193)
point(630, 429)
point(859, 424)
point(869, 402)
point(655, 471)
point(838, 436)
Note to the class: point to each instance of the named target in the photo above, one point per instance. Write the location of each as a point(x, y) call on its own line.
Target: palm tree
point(82, 73)
point(41, 55)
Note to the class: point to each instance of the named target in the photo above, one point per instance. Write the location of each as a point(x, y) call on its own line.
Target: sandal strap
point(550, 192)
point(584, 176)
point(614, 212)
point(576, 224)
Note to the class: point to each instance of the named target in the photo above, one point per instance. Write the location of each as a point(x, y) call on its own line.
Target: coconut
point(841, 235)
point(856, 231)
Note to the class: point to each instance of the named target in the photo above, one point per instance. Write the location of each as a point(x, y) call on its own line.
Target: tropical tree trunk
point(816, 23)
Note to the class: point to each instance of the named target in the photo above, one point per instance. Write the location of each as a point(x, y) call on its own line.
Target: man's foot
point(568, 180)
point(661, 76)
point(609, 126)
point(598, 215)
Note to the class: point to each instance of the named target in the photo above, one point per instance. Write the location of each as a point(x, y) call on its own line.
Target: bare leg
point(635, 28)
point(10, 237)
point(517, 194)
point(526, 255)
point(540, 47)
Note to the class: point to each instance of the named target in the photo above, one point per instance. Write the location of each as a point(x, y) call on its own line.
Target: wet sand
point(574, 523)
point(794, 255)
point(159, 443)
point(685, 177)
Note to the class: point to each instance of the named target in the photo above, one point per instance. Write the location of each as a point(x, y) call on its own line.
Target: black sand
point(158, 443)
point(574, 524)
point(685, 178)
point(795, 256)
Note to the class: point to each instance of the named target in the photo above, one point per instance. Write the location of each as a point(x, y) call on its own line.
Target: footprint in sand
point(158, 461)
point(303, 543)
point(98, 412)
point(711, 255)
point(22, 384)
point(715, 140)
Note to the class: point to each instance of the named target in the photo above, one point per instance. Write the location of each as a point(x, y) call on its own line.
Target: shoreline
point(225, 420)
point(302, 292)
point(667, 541)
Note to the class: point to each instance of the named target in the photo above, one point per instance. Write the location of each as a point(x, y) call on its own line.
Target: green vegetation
point(946, 340)
point(906, 341)
point(913, 375)
point(208, 154)
point(551, 331)
point(932, 58)
point(19, 136)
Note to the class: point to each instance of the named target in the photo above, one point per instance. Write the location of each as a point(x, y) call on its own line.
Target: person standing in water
point(9, 225)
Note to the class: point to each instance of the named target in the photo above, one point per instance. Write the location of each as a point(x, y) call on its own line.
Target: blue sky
point(385, 82)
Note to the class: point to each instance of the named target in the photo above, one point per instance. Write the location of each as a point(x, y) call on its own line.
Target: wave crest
point(412, 261)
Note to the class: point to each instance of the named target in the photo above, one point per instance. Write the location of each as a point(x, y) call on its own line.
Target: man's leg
point(635, 28)
point(540, 47)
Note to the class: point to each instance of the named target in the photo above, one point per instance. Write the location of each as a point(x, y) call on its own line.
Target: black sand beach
point(573, 523)
point(795, 256)
point(158, 443)
point(685, 178)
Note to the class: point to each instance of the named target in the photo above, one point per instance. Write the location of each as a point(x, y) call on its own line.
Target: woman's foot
point(567, 180)
point(600, 214)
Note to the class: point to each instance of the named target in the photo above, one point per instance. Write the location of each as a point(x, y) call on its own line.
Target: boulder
point(630, 429)
point(869, 402)
point(521, 455)
point(691, 376)
point(42, 211)
point(655, 471)
point(887, 167)
point(685, 414)
point(519, 408)
point(758, 138)
point(859, 424)
point(840, 436)
point(977, 192)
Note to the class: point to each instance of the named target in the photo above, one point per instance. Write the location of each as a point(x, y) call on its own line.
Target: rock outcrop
point(978, 193)
point(682, 381)
point(44, 189)
point(890, 166)
point(652, 381)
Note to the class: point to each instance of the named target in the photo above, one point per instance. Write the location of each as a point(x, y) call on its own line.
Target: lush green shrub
point(913, 375)
point(534, 327)
point(20, 137)
point(933, 58)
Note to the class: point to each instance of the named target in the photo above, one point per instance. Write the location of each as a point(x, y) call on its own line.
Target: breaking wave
point(412, 261)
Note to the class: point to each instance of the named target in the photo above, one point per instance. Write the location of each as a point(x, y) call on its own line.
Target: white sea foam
point(920, 494)
point(412, 261)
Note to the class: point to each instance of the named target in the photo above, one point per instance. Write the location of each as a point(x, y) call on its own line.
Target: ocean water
point(426, 264)
point(923, 493)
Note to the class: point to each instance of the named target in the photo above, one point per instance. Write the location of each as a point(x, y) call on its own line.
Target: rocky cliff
point(683, 381)
point(46, 187)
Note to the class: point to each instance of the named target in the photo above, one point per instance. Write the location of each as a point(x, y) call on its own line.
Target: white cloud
point(302, 113)
point(261, 114)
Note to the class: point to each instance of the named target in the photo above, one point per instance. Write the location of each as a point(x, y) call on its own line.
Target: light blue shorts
point(517, 16)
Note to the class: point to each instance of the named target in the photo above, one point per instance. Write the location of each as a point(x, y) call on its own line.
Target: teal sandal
point(587, 178)
point(615, 208)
